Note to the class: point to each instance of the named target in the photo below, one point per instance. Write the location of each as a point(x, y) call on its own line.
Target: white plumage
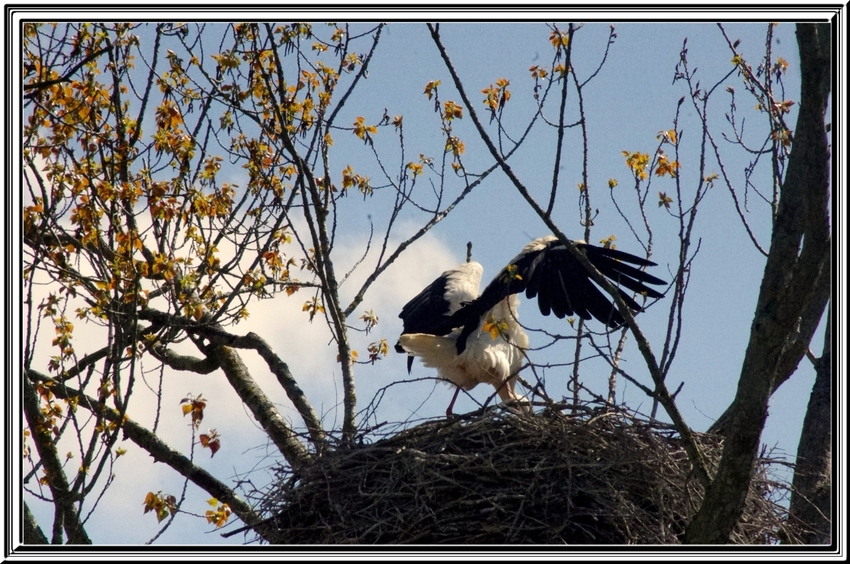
point(485, 360)
point(472, 339)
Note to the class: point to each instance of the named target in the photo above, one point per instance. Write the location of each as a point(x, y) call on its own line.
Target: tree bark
point(812, 486)
point(32, 532)
point(796, 266)
point(261, 407)
point(67, 516)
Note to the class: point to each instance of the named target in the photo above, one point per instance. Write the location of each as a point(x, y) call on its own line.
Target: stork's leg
point(452, 404)
point(506, 391)
point(508, 395)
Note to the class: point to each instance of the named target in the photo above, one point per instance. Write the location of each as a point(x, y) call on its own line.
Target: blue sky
point(627, 104)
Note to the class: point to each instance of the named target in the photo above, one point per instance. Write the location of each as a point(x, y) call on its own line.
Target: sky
point(632, 98)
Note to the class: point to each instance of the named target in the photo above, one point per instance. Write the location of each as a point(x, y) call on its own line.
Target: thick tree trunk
point(797, 266)
point(812, 488)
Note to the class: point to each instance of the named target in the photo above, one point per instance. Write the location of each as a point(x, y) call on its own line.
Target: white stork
point(472, 339)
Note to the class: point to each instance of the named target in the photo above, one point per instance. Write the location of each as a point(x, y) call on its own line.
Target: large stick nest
point(603, 477)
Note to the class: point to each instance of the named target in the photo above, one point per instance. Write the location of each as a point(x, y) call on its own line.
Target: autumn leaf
point(350, 179)
point(378, 350)
point(370, 320)
point(783, 136)
point(608, 242)
point(494, 327)
point(362, 130)
point(509, 274)
point(211, 441)
point(666, 166)
point(538, 72)
point(637, 162)
point(219, 516)
point(668, 136)
point(452, 111)
point(168, 116)
point(161, 505)
point(559, 40)
point(313, 307)
point(783, 107)
point(351, 62)
point(431, 88)
point(415, 168)
point(491, 98)
point(664, 200)
point(195, 406)
point(497, 96)
point(455, 145)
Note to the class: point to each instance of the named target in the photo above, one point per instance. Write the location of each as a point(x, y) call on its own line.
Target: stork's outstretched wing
point(545, 269)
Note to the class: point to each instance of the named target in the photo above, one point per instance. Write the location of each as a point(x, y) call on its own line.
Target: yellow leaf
point(452, 110)
point(668, 136)
point(415, 168)
point(559, 39)
point(431, 87)
point(362, 130)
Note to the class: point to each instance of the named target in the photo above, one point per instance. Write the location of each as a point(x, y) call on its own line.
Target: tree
point(132, 224)
point(794, 292)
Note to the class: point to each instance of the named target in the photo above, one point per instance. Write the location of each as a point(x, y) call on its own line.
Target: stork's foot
point(521, 405)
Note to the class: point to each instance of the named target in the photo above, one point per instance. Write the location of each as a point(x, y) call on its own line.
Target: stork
point(472, 339)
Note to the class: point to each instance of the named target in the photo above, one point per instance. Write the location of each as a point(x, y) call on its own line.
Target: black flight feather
point(561, 285)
